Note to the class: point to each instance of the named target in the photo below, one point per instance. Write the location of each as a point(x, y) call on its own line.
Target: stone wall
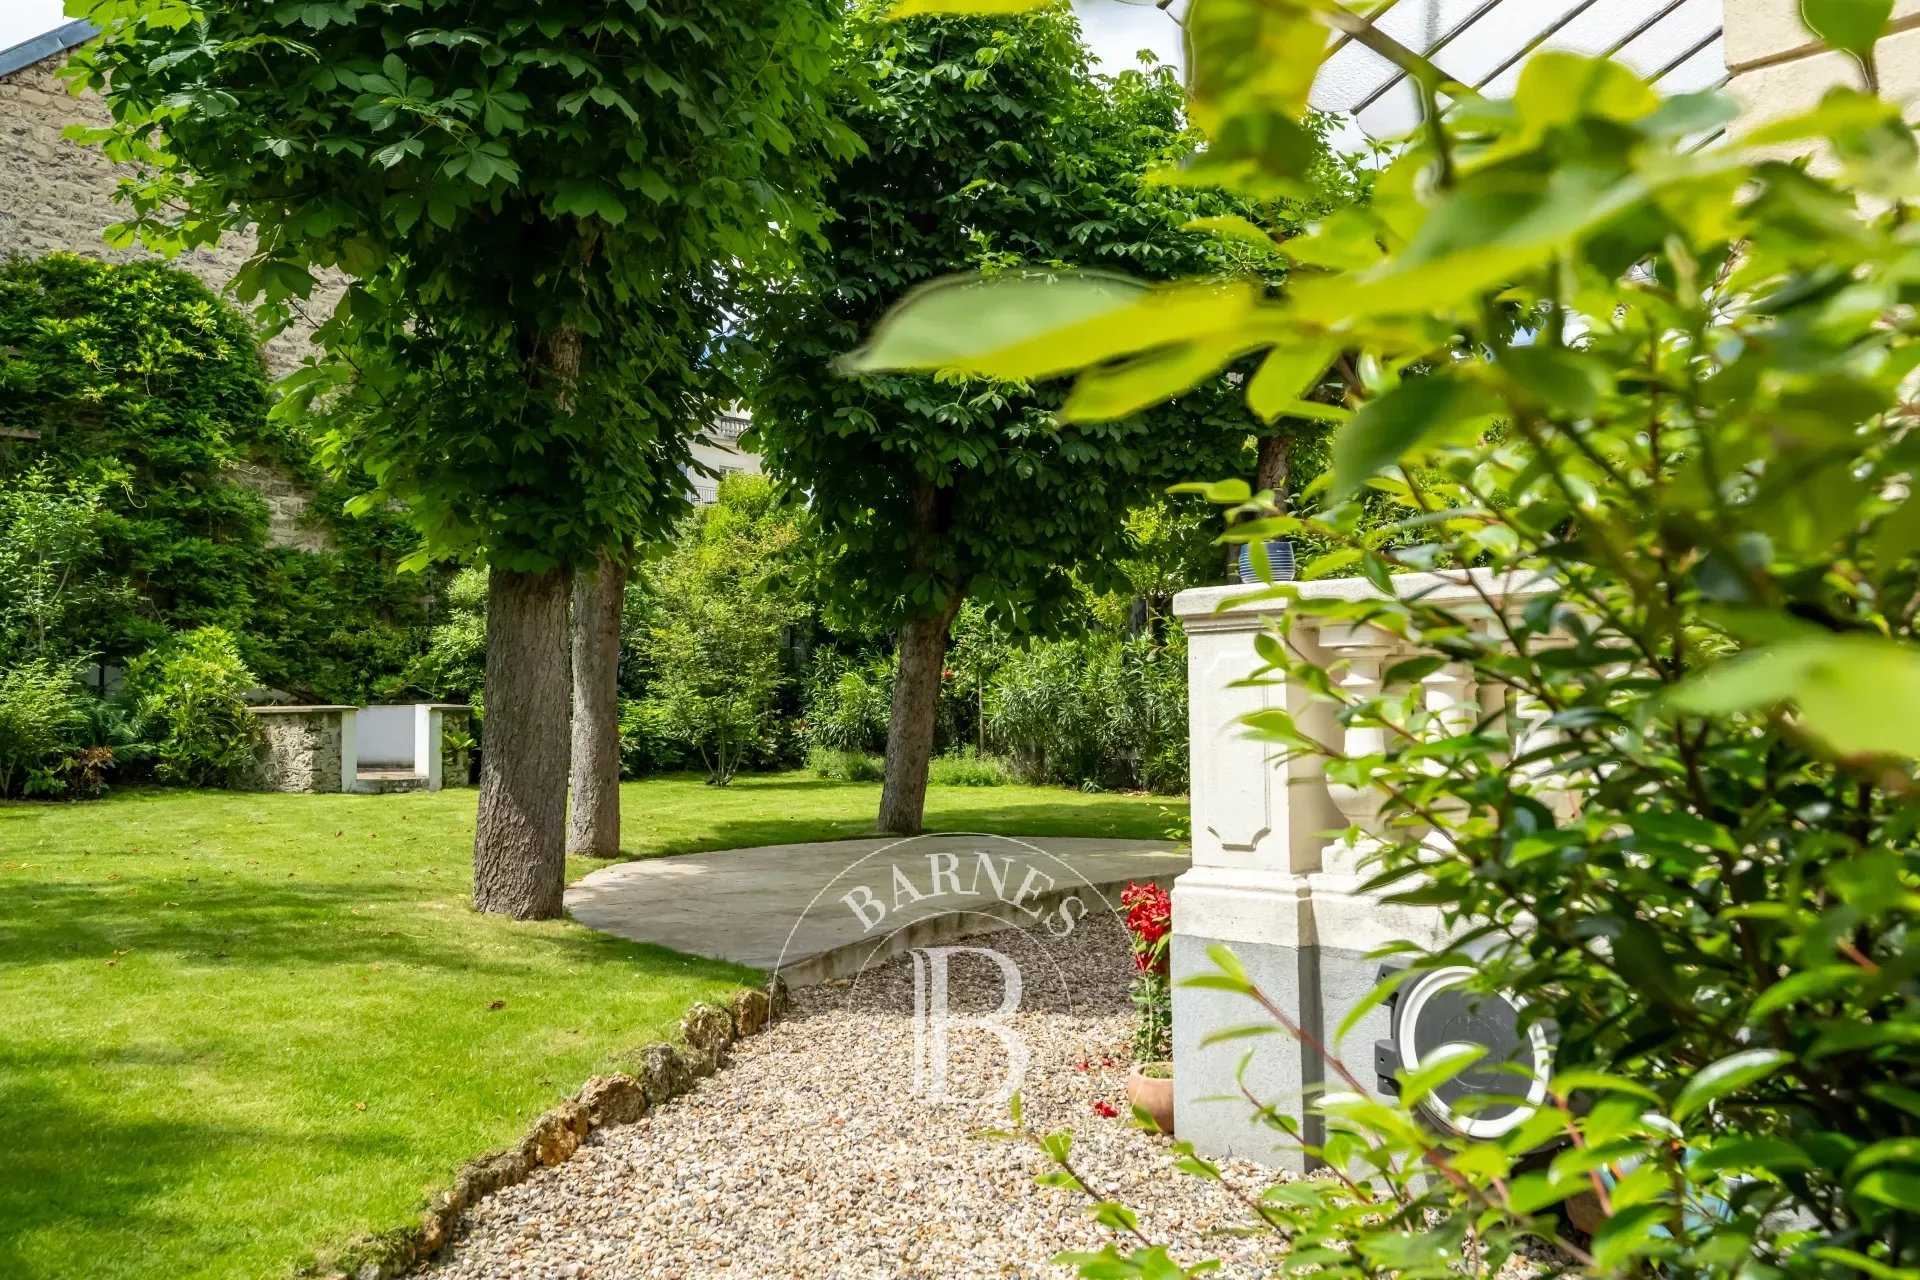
point(57, 195)
point(1779, 68)
point(302, 748)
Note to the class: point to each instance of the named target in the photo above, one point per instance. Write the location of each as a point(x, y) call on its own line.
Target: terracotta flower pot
point(1152, 1094)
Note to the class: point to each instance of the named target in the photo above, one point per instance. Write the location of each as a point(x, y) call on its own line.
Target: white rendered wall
point(386, 738)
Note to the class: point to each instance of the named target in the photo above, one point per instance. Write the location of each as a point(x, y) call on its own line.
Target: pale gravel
point(809, 1155)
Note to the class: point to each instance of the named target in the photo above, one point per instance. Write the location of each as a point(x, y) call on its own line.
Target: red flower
point(1105, 1108)
point(1149, 911)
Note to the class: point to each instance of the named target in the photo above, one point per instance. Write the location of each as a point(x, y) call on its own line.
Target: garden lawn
point(237, 1030)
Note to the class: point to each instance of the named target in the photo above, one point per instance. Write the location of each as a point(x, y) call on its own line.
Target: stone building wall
point(57, 196)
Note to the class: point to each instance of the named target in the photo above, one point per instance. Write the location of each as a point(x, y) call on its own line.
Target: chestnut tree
point(538, 206)
point(987, 146)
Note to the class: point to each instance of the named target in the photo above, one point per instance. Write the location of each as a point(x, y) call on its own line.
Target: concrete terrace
point(819, 911)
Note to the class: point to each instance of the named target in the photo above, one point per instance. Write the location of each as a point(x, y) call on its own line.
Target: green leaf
point(1728, 1075)
point(1238, 230)
point(1228, 963)
point(589, 200)
point(1436, 1068)
point(1752, 1153)
point(964, 8)
point(1387, 428)
point(1115, 391)
point(1559, 88)
point(1249, 59)
point(1568, 1083)
point(1859, 694)
point(1851, 25)
point(1897, 1187)
point(1862, 1263)
point(1246, 1031)
point(1286, 375)
point(1037, 325)
point(1566, 382)
point(1802, 986)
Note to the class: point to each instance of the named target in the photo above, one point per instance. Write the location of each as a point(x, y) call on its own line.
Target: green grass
point(237, 1030)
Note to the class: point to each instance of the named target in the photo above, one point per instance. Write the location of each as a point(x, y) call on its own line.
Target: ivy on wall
point(137, 381)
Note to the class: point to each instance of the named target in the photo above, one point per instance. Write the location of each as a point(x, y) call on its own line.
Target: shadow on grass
point(251, 923)
point(68, 1174)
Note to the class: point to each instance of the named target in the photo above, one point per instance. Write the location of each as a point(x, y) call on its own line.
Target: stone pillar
point(1256, 827)
point(1778, 67)
point(428, 719)
point(1266, 881)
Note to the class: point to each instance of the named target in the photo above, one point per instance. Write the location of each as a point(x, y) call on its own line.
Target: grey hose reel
point(1434, 1009)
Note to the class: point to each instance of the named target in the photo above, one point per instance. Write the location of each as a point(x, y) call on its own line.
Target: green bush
point(149, 403)
point(56, 597)
point(1094, 710)
point(648, 743)
point(965, 767)
point(846, 704)
point(716, 636)
point(189, 702)
point(42, 721)
point(845, 766)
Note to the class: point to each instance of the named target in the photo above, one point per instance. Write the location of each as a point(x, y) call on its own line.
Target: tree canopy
point(489, 176)
point(990, 146)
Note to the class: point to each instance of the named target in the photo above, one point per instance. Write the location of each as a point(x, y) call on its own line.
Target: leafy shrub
point(56, 596)
point(965, 767)
point(189, 701)
point(1095, 710)
point(846, 705)
point(42, 718)
point(454, 663)
point(1682, 831)
point(648, 743)
point(845, 766)
point(716, 634)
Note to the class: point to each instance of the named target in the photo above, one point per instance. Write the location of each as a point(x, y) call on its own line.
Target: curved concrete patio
point(817, 911)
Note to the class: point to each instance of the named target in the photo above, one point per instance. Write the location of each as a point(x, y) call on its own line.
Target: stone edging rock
point(662, 1071)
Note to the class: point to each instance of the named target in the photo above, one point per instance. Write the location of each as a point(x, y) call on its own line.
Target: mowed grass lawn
point(238, 1030)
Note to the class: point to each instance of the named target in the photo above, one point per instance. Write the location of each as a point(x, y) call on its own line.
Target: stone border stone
point(660, 1072)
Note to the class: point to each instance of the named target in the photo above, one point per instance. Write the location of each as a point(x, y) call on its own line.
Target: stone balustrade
point(1279, 851)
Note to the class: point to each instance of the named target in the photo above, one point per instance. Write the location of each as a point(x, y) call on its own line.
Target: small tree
point(987, 146)
point(534, 204)
point(720, 613)
point(55, 594)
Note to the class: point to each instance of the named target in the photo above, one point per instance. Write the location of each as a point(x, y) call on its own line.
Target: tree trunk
point(519, 839)
point(1273, 469)
point(916, 704)
point(593, 823)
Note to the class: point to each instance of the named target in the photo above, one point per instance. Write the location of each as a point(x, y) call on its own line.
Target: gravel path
point(810, 1155)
